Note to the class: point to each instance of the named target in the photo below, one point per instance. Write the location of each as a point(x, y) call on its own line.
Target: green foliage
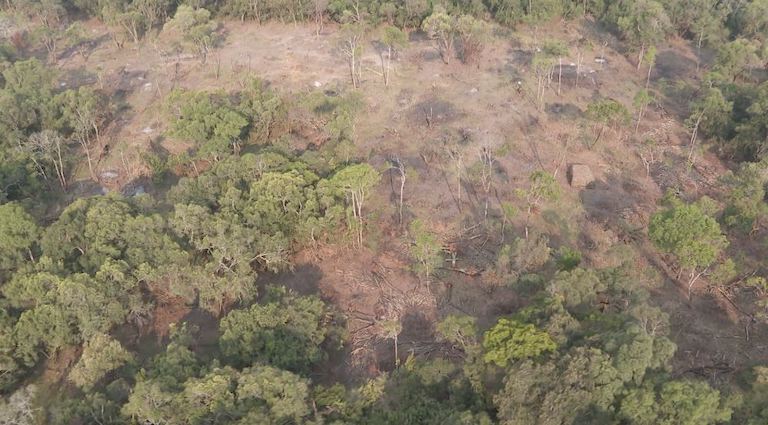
point(441, 27)
point(461, 330)
point(425, 249)
point(474, 35)
point(607, 113)
point(568, 258)
point(210, 121)
point(675, 402)
point(196, 27)
point(352, 186)
point(735, 58)
point(553, 393)
point(745, 199)
point(18, 236)
point(711, 112)
point(542, 188)
point(101, 355)
point(577, 288)
point(512, 12)
point(512, 340)
point(286, 333)
point(641, 23)
point(684, 231)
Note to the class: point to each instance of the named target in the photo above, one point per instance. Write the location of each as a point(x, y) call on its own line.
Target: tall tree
point(692, 237)
point(84, 111)
point(441, 27)
point(393, 39)
point(18, 237)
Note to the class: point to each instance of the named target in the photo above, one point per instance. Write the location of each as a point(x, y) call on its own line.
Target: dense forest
point(163, 299)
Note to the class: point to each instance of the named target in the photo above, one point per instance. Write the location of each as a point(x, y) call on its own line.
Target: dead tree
point(397, 164)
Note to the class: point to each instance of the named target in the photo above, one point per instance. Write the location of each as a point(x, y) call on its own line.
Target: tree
point(641, 101)
point(196, 28)
point(286, 333)
point(393, 39)
point(710, 110)
point(441, 27)
point(473, 35)
point(153, 12)
point(49, 147)
point(557, 392)
point(542, 65)
point(512, 340)
point(607, 113)
point(555, 49)
point(578, 289)
point(353, 184)
point(542, 187)
point(18, 236)
point(746, 208)
point(284, 393)
point(425, 248)
point(101, 355)
point(41, 330)
point(210, 120)
point(352, 34)
point(83, 112)
point(650, 59)
point(735, 58)
point(692, 237)
point(643, 23)
point(20, 408)
point(460, 330)
point(675, 403)
point(390, 329)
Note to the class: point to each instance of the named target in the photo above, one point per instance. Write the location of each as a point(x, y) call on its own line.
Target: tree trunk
point(693, 278)
point(648, 78)
point(86, 148)
point(639, 117)
point(559, 74)
point(397, 358)
point(389, 63)
point(402, 189)
point(578, 67)
point(694, 133)
point(640, 56)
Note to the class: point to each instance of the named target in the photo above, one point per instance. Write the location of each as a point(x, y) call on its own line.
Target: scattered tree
point(692, 237)
point(441, 27)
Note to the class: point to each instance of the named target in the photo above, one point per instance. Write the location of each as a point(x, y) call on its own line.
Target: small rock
point(317, 84)
point(474, 90)
point(147, 130)
point(600, 60)
point(109, 175)
point(63, 84)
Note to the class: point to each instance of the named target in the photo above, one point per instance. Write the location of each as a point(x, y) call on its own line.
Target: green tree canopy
point(512, 340)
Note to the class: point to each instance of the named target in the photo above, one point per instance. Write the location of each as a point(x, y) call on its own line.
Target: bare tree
point(352, 47)
point(50, 146)
point(319, 12)
point(393, 39)
point(398, 165)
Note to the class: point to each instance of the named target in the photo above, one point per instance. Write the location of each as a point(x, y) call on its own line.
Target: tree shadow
point(302, 279)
